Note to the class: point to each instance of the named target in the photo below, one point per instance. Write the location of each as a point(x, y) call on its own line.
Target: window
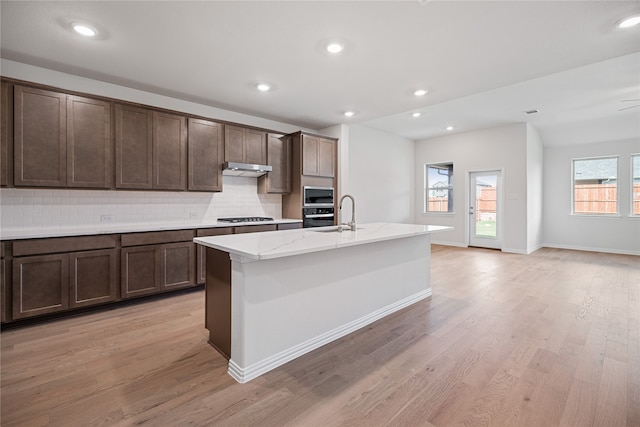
point(635, 184)
point(439, 187)
point(595, 186)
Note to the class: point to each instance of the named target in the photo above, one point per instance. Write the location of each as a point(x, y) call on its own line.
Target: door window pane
point(486, 206)
point(595, 186)
point(439, 188)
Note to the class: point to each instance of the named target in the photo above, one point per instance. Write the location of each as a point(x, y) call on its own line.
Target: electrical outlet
point(193, 215)
point(106, 218)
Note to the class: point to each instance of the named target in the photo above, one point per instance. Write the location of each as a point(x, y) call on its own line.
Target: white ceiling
point(483, 62)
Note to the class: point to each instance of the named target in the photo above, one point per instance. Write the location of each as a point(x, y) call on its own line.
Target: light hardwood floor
point(547, 339)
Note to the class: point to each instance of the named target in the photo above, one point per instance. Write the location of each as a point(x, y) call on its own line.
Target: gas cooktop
point(246, 219)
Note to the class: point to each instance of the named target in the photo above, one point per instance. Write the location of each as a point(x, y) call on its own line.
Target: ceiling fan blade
point(627, 108)
point(630, 100)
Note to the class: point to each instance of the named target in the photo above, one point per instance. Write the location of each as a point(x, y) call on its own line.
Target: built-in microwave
point(317, 197)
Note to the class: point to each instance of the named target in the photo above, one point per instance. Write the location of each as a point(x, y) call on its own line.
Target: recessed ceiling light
point(416, 114)
point(420, 92)
point(84, 30)
point(628, 22)
point(449, 128)
point(263, 87)
point(335, 47)
point(349, 113)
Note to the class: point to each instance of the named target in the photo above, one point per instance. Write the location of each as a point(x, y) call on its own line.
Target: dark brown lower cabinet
point(5, 282)
point(157, 261)
point(51, 283)
point(140, 271)
point(51, 275)
point(40, 285)
point(93, 278)
point(177, 265)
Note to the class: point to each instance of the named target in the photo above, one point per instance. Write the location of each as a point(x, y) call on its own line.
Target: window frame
point(631, 183)
point(449, 189)
point(573, 187)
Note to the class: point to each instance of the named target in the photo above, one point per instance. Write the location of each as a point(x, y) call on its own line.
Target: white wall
point(619, 234)
point(500, 148)
point(535, 175)
point(380, 176)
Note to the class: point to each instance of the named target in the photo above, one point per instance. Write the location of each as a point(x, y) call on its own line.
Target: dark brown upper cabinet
point(151, 149)
point(244, 145)
point(205, 155)
point(134, 147)
point(6, 137)
point(169, 151)
point(318, 156)
point(61, 140)
point(40, 138)
point(279, 157)
point(89, 146)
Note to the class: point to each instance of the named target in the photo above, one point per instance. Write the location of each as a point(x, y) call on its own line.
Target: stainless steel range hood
point(244, 169)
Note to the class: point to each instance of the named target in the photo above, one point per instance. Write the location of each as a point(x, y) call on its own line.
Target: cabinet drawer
point(62, 244)
point(205, 232)
point(290, 226)
point(255, 228)
point(156, 237)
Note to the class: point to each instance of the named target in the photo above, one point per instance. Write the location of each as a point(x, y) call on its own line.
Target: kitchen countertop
point(269, 245)
point(85, 230)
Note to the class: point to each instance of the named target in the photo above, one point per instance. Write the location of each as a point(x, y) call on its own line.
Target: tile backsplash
point(51, 208)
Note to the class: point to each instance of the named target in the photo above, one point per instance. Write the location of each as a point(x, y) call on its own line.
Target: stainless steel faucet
point(352, 223)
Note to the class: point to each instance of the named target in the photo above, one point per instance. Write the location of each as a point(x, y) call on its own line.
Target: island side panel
point(288, 306)
point(218, 300)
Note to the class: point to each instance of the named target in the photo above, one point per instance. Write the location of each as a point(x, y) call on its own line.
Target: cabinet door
point(205, 155)
point(40, 154)
point(40, 285)
point(233, 144)
point(134, 147)
point(88, 143)
point(326, 155)
point(279, 157)
point(309, 155)
point(5, 290)
point(6, 136)
point(169, 151)
point(93, 277)
point(140, 271)
point(255, 147)
point(178, 262)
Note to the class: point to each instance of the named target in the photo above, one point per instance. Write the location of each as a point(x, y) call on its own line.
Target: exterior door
point(484, 209)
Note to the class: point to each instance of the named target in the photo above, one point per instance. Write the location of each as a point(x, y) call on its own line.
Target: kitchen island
point(274, 296)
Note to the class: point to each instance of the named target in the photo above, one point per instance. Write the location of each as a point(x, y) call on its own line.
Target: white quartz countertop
point(115, 228)
point(269, 245)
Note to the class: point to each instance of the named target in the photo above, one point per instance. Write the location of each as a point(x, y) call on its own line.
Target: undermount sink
point(335, 230)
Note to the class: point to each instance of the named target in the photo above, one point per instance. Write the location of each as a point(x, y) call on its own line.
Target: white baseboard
point(590, 249)
point(456, 244)
point(242, 375)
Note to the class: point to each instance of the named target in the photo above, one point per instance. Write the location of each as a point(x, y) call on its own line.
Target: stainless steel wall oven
point(317, 217)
